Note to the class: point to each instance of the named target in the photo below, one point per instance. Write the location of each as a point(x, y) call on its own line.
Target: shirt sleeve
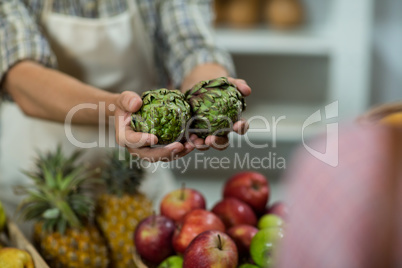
point(20, 38)
point(187, 29)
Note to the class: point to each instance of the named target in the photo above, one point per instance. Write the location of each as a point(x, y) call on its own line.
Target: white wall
point(387, 52)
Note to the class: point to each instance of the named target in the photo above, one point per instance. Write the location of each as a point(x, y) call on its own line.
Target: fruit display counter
point(76, 226)
point(116, 227)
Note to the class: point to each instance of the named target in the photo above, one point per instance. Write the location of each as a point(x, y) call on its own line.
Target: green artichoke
point(164, 113)
point(216, 105)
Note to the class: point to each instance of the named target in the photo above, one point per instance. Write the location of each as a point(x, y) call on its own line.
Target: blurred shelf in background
point(281, 123)
point(336, 29)
point(262, 40)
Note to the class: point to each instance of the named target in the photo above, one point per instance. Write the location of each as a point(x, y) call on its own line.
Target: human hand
point(144, 145)
point(240, 127)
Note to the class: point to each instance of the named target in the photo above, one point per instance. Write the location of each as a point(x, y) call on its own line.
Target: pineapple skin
point(76, 248)
point(117, 217)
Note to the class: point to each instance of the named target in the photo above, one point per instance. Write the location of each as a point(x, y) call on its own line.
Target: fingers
point(129, 101)
point(188, 148)
point(165, 153)
point(199, 143)
point(125, 136)
point(241, 85)
point(241, 126)
point(217, 142)
point(137, 139)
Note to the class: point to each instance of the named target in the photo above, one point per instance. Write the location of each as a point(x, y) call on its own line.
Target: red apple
point(194, 223)
point(181, 201)
point(233, 212)
point(251, 188)
point(242, 235)
point(153, 238)
point(211, 249)
point(278, 208)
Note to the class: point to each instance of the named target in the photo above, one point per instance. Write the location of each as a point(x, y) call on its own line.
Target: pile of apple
point(239, 230)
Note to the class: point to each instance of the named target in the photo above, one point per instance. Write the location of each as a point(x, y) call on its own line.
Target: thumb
point(129, 101)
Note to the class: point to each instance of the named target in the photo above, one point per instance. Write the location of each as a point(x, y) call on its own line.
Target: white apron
point(114, 54)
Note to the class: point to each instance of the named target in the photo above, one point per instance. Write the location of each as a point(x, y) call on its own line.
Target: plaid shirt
point(181, 29)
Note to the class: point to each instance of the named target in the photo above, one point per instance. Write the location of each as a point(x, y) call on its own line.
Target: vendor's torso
point(113, 53)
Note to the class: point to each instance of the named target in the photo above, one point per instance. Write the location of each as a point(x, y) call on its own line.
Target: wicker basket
point(138, 261)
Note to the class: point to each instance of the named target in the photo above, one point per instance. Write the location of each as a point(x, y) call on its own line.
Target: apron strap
point(132, 7)
point(47, 8)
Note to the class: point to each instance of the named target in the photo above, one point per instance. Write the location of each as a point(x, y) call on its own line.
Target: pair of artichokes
point(209, 108)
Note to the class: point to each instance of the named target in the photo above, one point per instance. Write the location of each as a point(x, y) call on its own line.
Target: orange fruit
point(394, 119)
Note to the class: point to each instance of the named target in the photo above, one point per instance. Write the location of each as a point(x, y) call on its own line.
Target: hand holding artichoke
point(216, 105)
point(164, 113)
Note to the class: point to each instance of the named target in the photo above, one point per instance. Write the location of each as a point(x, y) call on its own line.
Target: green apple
point(270, 220)
point(172, 262)
point(264, 244)
point(3, 218)
point(248, 265)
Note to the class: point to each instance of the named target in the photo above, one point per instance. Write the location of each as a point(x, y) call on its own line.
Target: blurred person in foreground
point(348, 216)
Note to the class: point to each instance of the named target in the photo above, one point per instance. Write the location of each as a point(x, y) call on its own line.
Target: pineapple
point(60, 203)
point(121, 207)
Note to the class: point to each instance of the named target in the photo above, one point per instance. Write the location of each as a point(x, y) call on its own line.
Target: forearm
point(49, 94)
point(203, 72)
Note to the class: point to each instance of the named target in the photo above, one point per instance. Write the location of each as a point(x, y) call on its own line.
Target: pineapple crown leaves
point(58, 197)
point(123, 174)
point(164, 113)
point(53, 161)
